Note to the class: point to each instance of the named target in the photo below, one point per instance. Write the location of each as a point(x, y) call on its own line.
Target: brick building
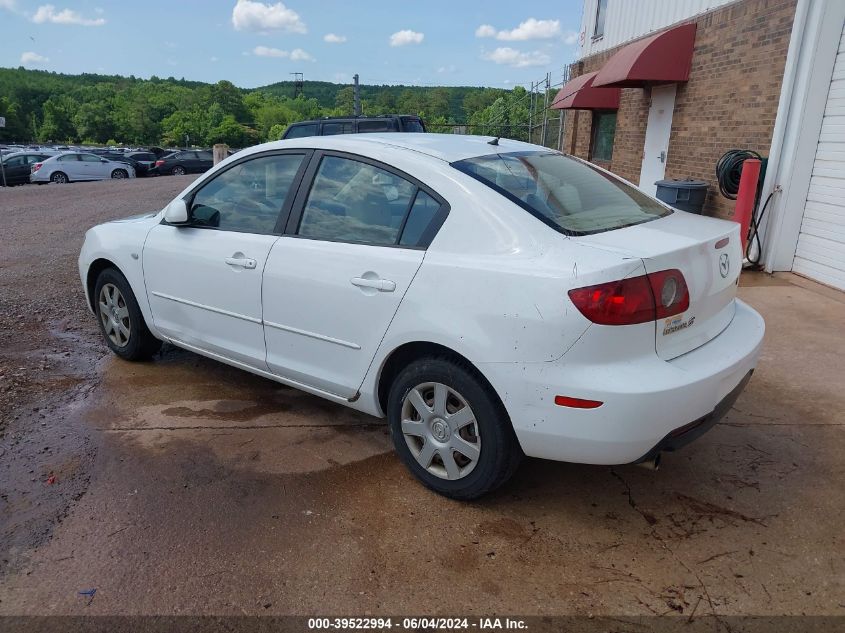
point(663, 88)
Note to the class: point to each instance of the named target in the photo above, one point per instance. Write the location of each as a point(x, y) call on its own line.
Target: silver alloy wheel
point(114, 315)
point(118, 173)
point(178, 170)
point(59, 178)
point(440, 430)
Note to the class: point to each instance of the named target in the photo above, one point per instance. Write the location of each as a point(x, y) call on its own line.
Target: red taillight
point(633, 300)
point(577, 403)
point(159, 163)
point(36, 167)
point(671, 295)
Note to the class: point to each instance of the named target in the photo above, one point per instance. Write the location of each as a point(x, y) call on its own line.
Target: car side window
point(422, 213)
point(17, 161)
point(382, 125)
point(68, 158)
point(89, 158)
point(337, 127)
point(298, 131)
point(353, 201)
point(247, 197)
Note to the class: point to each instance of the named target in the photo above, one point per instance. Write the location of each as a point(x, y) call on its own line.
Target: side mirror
point(176, 212)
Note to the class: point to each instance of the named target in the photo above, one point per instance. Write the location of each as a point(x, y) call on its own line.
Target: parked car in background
point(141, 167)
point(490, 300)
point(355, 125)
point(76, 166)
point(145, 159)
point(183, 162)
point(17, 166)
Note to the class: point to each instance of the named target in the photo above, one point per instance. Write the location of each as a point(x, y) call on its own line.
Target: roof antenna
point(495, 141)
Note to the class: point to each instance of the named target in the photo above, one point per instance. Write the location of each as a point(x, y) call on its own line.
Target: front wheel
point(119, 174)
point(450, 429)
point(179, 170)
point(120, 318)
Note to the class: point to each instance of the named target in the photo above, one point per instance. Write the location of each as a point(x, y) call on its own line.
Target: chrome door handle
point(243, 262)
point(382, 285)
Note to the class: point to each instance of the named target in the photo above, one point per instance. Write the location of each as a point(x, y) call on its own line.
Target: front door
point(658, 130)
point(204, 280)
point(332, 287)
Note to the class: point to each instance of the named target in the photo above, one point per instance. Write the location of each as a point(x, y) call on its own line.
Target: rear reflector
point(634, 299)
point(722, 243)
point(577, 403)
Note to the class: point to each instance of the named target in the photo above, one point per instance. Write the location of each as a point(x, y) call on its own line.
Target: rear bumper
point(645, 399)
point(683, 435)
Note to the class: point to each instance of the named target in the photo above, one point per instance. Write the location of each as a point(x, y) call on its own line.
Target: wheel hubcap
point(114, 315)
point(440, 430)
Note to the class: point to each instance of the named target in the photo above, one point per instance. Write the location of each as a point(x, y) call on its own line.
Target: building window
point(601, 12)
point(604, 131)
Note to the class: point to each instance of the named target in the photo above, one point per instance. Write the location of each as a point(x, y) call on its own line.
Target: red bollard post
point(746, 197)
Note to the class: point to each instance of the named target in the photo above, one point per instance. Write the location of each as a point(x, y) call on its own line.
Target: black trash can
point(686, 195)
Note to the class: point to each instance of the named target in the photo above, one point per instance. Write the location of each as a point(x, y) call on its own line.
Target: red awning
point(659, 59)
point(579, 94)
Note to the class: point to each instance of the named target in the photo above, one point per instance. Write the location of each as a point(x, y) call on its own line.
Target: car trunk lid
point(708, 253)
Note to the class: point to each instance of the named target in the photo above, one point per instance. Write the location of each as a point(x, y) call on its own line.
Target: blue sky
point(252, 43)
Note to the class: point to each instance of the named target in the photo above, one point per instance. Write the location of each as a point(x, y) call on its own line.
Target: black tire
point(141, 344)
point(178, 171)
point(119, 174)
point(59, 177)
point(500, 453)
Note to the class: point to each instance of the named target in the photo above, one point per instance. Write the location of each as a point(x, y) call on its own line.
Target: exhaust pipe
point(651, 464)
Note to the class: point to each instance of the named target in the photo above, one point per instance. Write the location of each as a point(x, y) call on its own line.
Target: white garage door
point(820, 253)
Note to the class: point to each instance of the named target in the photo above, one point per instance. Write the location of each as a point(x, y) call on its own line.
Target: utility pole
point(356, 92)
point(298, 84)
point(2, 166)
point(545, 109)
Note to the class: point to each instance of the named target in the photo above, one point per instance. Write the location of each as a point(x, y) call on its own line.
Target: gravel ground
point(184, 486)
point(49, 345)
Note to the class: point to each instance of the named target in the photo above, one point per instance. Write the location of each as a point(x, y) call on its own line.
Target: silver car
point(74, 166)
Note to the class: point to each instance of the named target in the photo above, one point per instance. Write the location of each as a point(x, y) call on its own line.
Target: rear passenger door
point(355, 239)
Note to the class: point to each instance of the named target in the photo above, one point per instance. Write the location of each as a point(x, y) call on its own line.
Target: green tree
point(57, 125)
point(345, 101)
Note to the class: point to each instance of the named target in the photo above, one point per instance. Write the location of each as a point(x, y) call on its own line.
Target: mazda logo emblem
point(724, 265)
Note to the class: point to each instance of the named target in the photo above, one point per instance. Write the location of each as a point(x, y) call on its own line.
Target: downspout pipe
point(773, 175)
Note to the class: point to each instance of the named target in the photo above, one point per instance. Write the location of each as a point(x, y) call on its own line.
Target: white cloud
point(447, 69)
point(485, 30)
point(214, 59)
point(530, 29)
point(296, 55)
point(258, 16)
point(48, 14)
point(407, 36)
point(33, 59)
point(331, 38)
point(517, 59)
point(266, 51)
point(570, 38)
point(8, 5)
point(299, 55)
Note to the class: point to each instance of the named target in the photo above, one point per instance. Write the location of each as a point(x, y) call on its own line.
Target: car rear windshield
point(412, 124)
point(569, 195)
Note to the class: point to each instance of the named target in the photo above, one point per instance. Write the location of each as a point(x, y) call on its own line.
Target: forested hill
point(52, 107)
point(325, 93)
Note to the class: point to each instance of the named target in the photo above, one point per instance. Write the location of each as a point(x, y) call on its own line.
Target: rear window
point(412, 124)
point(567, 194)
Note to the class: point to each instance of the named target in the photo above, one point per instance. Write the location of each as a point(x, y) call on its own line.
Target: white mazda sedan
point(491, 299)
